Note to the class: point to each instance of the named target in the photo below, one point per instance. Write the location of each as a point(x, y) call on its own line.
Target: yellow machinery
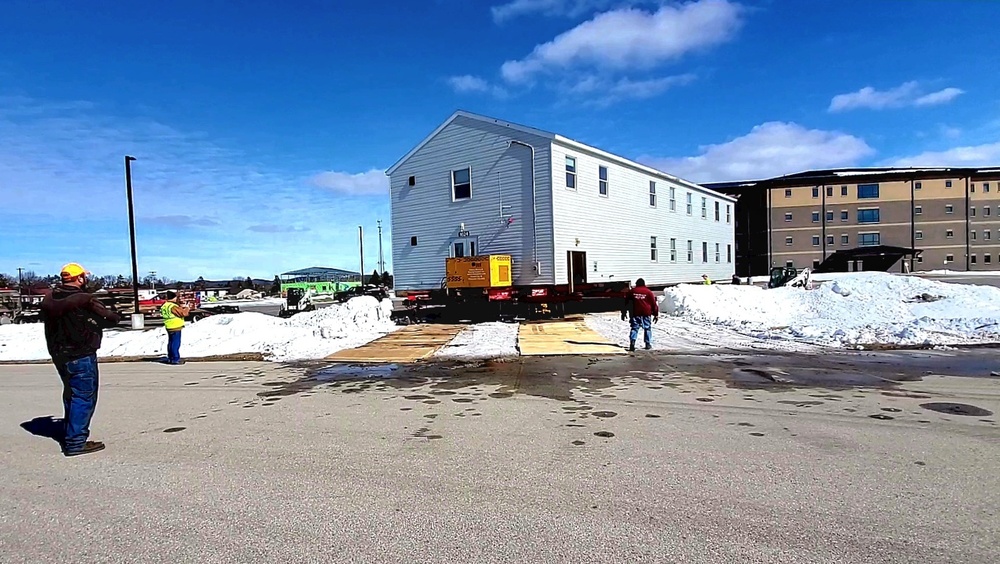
point(490, 271)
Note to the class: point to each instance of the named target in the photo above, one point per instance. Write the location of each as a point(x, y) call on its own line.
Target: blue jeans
point(80, 381)
point(173, 347)
point(644, 322)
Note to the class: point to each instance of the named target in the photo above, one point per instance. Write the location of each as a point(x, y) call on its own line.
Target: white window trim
point(862, 233)
point(452, 174)
point(576, 175)
point(673, 250)
point(607, 183)
point(653, 249)
point(653, 199)
point(876, 208)
point(673, 199)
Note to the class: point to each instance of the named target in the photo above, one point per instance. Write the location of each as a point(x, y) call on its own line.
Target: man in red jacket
point(644, 311)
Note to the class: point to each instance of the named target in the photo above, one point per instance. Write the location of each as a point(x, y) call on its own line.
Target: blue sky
point(262, 129)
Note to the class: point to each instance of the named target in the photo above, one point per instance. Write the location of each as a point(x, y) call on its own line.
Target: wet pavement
point(847, 457)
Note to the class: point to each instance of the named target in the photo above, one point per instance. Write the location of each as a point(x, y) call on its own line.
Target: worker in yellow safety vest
point(173, 314)
point(706, 280)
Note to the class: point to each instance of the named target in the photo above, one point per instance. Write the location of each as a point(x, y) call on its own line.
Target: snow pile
point(311, 335)
point(482, 340)
point(858, 309)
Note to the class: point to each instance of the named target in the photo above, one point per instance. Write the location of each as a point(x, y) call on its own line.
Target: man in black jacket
point(74, 326)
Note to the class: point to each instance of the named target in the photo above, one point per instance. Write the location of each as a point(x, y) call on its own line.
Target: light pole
point(131, 229)
point(20, 290)
point(152, 280)
point(381, 257)
point(361, 241)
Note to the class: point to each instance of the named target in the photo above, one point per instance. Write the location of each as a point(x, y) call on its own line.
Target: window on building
point(718, 254)
point(949, 258)
point(987, 259)
point(815, 264)
point(986, 186)
point(815, 192)
point(867, 191)
point(789, 264)
point(870, 215)
point(845, 240)
point(729, 214)
point(972, 211)
point(458, 250)
point(947, 183)
point(673, 199)
point(949, 209)
point(829, 191)
point(690, 206)
point(673, 250)
point(815, 217)
point(704, 251)
point(788, 193)
point(829, 239)
point(717, 211)
point(844, 215)
point(704, 208)
point(972, 187)
point(602, 180)
point(815, 240)
point(461, 184)
point(987, 211)
point(788, 217)
point(413, 241)
point(829, 216)
point(652, 249)
point(986, 235)
point(918, 235)
point(918, 186)
point(843, 190)
point(972, 235)
point(949, 233)
point(920, 258)
point(788, 241)
point(652, 193)
point(972, 259)
point(571, 173)
point(918, 210)
point(729, 253)
point(869, 239)
point(690, 250)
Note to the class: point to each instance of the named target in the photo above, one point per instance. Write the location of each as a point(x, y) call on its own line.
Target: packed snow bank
point(481, 341)
point(311, 335)
point(860, 309)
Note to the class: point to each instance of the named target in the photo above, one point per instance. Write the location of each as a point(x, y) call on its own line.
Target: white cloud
point(466, 84)
point(371, 183)
point(571, 8)
point(906, 94)
point(632, 38)
point(182, 221)
point(973, 155)
point(604, 92)
point(939, 97)
point(770, 149)
point(275, 228)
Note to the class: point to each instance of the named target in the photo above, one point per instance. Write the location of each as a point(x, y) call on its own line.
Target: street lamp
point(131, 229)
point(20, 290)
point(152, 280)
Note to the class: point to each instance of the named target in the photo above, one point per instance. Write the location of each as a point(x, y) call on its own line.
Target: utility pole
point(152, 280)
point(361, 241)
point(131, 229)
point(381, 258)
point(20, 290)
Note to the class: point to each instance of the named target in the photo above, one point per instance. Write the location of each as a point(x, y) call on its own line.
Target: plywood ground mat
point(562, 338)
point(409, 344)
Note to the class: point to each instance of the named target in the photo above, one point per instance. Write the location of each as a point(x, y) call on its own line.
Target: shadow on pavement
point(45, 427)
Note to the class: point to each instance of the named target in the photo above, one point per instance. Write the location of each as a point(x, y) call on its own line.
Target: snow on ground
point(864, 308)
point(677, 334)
point(957, 273)
point(260, 302)
point(480, 341)
point(311, 335)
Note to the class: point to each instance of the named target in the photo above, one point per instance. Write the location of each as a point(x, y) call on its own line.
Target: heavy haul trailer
point(482, 287)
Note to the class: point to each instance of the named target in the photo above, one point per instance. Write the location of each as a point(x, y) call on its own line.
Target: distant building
point(952, 215)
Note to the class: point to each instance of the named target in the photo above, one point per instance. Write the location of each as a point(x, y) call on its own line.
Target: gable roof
point(470, 115)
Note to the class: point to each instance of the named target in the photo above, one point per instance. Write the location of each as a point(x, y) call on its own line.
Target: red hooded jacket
point(643, 302)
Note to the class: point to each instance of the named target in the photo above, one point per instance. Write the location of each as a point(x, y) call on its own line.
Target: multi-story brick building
point(950, 215)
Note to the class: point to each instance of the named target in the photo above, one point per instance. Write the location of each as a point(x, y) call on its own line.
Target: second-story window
point(867, 191)
point(461, 184)
point(571, 173)
point(704, 208)
point(602, 180)
point(652, 193)
point(690, 207)
point(716, 211)
point(673, 199)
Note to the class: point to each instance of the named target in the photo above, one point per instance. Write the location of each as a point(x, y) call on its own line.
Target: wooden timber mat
point(566, 337)
point(409, 344)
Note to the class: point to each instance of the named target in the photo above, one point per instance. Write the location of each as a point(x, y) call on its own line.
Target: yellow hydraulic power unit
point(489, 271)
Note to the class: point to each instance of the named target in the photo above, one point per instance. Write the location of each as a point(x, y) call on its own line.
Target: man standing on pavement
point(74, 326)
point(173, 314)
point(644, 311)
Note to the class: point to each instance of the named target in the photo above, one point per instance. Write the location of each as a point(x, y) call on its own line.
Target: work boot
point(649, 347)
point(631, 346)
point(88, 447)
